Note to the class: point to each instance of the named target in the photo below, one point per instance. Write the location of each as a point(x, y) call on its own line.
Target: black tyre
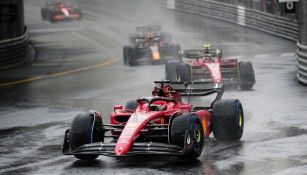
point(43, 14)
point(126, 54)
point(132, 61)
point(184, 72)
point(228, 120)
point(131, 105)
point(79, 11)
point(246, 75)
point(175, 51)
point(86, 128)
point(187, 131)
point(171, 70)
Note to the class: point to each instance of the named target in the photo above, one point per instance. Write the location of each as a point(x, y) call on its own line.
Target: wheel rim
point(198, 135)
point(178, 78)
point(188, 139)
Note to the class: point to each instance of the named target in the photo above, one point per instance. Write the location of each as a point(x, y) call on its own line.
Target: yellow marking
point(58, 74)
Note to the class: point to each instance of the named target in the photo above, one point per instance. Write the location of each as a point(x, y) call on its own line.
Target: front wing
point(107, 149)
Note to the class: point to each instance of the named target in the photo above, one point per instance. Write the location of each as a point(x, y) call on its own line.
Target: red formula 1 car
point(162, 124)
point(60, 10)
point(207, 63)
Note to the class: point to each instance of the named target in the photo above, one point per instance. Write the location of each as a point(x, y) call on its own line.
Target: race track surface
point(78, 67)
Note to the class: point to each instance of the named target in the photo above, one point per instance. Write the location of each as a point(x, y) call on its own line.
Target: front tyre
point(187, 132)
point(228, 120)
point(131, 105)
point(86, 128)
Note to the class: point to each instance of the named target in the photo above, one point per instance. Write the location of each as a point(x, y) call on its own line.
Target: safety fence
point(276, 25)
point(302, 63)
point(280, 26)
point(14, 51)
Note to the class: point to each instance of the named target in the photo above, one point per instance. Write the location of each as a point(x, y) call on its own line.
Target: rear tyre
point(184, 72)
point(131, 59)
point(228, 120)
point(126, 53)
point(247, 75)
point(79, 11)
point(43, 14)
point(86, 128)
point(187, 132)
point(170, 70)
point(131, 105)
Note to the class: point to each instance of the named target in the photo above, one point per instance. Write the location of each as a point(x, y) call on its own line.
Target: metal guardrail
point(276, 25)
point(302, 63)
point(15, 51)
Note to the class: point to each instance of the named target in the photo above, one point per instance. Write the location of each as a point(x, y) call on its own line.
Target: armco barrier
point(302, 63)
point(275, 25)
point(15, 51)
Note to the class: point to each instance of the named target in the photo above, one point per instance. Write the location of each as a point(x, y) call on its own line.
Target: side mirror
point(118, 108)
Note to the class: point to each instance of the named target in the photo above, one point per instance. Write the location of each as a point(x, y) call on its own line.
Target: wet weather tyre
point(126, 53)
point(228, 120)
point(131, 105)
point(247, 75)
point(187, 132)
point(170, 70)
point(43, 14)
point(184, 72)
point(132, 61)
point(86, 128)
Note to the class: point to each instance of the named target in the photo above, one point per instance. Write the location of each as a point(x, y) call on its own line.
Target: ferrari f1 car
point(149, 45)
point(207, 63)
point(159, 125)
point(60, 10)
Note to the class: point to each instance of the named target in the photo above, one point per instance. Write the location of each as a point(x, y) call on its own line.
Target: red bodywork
point(218, 69)
point(159, 112)
point(64, 12)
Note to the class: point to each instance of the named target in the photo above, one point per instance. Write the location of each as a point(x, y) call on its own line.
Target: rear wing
point(149, 28)
point(195, 88)
point(210, 52)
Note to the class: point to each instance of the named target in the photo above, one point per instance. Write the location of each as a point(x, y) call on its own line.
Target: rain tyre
point(187, 132)
point(228, 120)
point(131, 105)
point(86, 128)
point(171, 70)
point(247, 75)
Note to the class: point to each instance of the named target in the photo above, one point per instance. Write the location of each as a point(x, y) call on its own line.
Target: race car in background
point(60, 10)
point(149, 45)
point(159, 125)
point(207, 64)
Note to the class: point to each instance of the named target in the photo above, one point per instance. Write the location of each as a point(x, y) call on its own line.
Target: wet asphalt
point(78, 66)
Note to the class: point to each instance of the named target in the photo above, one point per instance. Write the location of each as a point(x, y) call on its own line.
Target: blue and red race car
point(162, 124)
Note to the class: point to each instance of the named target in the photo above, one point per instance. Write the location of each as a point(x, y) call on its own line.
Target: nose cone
point(121, 149)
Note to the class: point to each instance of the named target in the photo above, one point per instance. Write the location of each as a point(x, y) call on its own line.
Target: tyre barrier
point(276, 25)
point(14, 51)
point(302, 63)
